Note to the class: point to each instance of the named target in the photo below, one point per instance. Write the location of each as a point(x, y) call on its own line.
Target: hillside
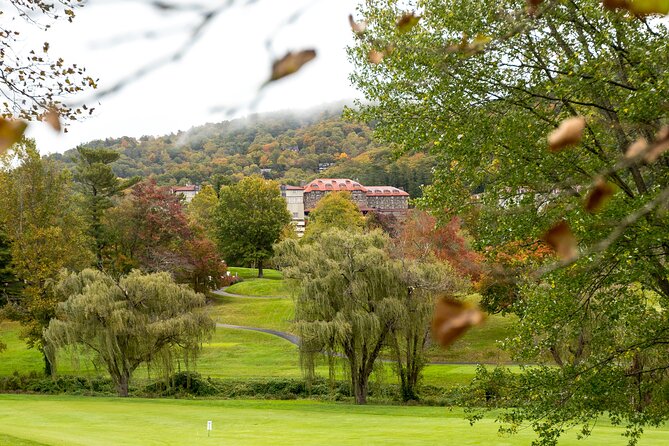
point(290, 147)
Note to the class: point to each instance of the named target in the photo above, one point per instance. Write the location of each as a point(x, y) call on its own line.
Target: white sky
point(224, 69)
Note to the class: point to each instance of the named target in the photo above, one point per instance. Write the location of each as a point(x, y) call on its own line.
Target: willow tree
point(347, 305)
point(138, 319)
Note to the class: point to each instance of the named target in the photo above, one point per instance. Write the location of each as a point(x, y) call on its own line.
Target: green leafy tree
point(201, 209)
point(100, 185)
point(481, 84)
point(46, 232)
point(138, 319)
point(335, 210)
point(249, 219)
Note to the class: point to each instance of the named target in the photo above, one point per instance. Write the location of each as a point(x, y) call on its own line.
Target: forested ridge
point(290, 147)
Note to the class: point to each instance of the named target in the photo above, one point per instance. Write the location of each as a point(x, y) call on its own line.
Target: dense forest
point(292, 148)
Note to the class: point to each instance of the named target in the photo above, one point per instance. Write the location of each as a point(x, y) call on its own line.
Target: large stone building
point(384, 199)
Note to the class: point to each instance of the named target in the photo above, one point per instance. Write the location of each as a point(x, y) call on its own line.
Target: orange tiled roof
point(385, 191)
point(334, 184)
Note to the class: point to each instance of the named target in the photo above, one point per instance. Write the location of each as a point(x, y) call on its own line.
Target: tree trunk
point(122, 384)
point(48, 369)
point(360, 388)
point(260, 269)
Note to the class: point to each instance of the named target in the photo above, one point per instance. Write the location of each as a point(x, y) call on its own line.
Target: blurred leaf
point(646, 7)
point(375, 57)
point(598, 196)
point(291, 63)
point(569, 133)
point(52, 117)
point(358, 28)
point(407, 22)
point(11, 131)
point(636, 148)
point(660, 145)
point(562, 240)
point(452, 319)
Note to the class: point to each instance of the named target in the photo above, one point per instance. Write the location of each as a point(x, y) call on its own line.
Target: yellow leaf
point(407, 22)
point(11, 131)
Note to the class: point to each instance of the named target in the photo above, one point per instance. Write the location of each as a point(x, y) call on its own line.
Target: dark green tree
point(99, 185)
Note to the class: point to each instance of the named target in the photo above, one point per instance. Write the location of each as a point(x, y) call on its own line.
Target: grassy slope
point(97, 421)
point(277, 313)
point(261, 287)
point(244, 354)
point(252, 273)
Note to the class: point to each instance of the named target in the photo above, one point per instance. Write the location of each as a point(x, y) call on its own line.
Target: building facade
point(188, 192)
point(302, 200)
point(294, 196)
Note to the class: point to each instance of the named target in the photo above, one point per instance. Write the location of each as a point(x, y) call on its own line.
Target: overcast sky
point(224, 69)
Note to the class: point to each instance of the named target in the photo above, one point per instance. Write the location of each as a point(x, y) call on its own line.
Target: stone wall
point(388, 202)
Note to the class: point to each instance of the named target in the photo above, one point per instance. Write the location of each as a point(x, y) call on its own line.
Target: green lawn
point(64, 420)
point(252, 273)
point(276, 313)
point(261, 287)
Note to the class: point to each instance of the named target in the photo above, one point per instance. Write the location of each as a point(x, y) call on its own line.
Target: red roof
point(287, 187)
point(191, 188)
point(334, 184)
point(385, 190)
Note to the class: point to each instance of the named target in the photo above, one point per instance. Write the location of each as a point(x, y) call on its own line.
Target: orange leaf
point(52, 117)
point(562, 240)
point(452, 319)
point(598, 196)
point(375, 57)
point(569, 133)
point(11, 131)
point(291, 63)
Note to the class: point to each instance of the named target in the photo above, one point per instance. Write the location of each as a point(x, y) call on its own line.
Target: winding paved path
point(283, 335)
point(223, 292)
point(294, 339)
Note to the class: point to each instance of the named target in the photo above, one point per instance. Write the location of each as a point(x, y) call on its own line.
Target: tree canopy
point(249, 219)
point(481, 84)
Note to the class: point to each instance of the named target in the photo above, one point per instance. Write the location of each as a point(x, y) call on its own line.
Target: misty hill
point(290, 147)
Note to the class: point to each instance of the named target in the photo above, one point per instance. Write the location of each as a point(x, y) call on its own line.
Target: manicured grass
point(252, 273)
point(242, 354)
point(64, 420)
point(276, 314)
point(261, 287)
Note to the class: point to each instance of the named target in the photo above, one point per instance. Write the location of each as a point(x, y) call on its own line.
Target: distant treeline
point(292, 148)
